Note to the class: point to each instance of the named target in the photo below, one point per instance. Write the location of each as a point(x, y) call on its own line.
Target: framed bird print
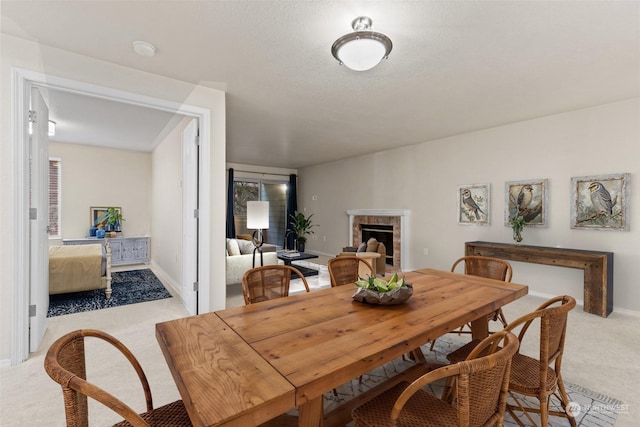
point(473, 204)
point(601, 202)
point(528, 199)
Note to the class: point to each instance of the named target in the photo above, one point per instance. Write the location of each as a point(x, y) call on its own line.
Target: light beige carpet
point(601, 355)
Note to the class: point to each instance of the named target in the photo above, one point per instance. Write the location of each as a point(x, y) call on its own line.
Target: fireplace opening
point(383, 234)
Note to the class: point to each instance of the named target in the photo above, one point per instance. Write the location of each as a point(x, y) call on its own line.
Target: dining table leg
point(480, 328)
point(310, 413)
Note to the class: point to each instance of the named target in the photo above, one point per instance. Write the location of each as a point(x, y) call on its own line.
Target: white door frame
point(190, 218)
point(21, 80)
point(39, 239)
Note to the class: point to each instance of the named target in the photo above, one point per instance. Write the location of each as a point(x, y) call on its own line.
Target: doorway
point(23, 81)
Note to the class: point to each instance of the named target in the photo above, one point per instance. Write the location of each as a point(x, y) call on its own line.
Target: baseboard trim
point(620, 310)
point(173, 287)
point(549, 296)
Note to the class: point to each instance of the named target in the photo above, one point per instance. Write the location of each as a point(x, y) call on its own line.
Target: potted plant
point(112, 219)
point(517, 225)
point(301, 226)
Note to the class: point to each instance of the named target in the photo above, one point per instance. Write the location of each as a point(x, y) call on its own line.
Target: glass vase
point(517, 236)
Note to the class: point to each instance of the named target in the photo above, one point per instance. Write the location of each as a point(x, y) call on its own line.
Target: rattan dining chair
point(66, 364)
point(481, 266)
point(480, 388)
point(344, 270)
point(491, 268)
point(532, 376)
point(269, 282)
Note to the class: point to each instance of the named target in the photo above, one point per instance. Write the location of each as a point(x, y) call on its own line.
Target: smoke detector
point(143, 48)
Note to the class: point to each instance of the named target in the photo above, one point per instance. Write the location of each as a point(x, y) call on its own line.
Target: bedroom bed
point(76, 268)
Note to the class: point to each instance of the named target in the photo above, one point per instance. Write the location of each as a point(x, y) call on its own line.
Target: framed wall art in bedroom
point(97, 215)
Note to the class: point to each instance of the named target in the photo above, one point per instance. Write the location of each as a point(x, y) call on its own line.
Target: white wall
point(423, 179)
point(166, 205)
point(15, 52)
point(96, 176)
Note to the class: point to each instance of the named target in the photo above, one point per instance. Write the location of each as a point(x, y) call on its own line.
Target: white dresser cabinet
point(124, 250)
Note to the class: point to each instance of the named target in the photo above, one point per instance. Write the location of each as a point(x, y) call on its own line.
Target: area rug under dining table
point(595, 409)
point(129, 287)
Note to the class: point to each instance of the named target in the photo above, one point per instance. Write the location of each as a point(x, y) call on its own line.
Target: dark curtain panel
point(231, 225)
point(292, 206)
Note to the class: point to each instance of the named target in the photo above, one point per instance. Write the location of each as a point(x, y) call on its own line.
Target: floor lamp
point(257, 219)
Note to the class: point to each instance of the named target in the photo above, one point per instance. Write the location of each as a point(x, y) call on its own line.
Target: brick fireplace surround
point(394, 217)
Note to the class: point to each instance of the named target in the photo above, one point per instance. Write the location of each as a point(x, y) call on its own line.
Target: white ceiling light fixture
point(143, 48)
point(363, 49)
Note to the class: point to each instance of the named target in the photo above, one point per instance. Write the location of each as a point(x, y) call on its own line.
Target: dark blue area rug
point(128, 287)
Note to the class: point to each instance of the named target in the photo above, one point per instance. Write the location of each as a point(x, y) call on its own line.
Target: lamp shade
point(257, 215)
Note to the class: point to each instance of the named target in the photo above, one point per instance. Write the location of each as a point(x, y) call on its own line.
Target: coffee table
point(298, 256)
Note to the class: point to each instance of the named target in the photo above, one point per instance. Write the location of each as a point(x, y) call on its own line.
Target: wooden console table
point(597, 266)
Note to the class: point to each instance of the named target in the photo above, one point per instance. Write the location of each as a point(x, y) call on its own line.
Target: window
point(273, 192)
point(55, 202)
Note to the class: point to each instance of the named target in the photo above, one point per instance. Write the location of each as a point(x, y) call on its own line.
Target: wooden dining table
point(246, 365)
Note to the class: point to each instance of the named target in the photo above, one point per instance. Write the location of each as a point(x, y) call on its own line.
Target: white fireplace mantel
point(378, 212)
point(402, 213)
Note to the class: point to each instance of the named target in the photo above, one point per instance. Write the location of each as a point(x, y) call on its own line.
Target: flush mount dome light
point(362, 49)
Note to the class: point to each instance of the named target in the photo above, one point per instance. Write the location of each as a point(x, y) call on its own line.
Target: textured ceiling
point(456, 66)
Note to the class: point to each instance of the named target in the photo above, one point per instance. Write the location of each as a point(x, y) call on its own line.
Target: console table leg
point(596, 291)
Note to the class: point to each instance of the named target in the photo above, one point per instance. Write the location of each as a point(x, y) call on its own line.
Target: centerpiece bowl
point(381, 292)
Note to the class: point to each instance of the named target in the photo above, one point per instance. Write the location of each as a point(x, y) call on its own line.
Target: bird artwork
point(525, 197)
point(600, 198)
point(471, 204)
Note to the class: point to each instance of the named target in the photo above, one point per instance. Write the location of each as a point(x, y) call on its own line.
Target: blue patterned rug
point(128, 287)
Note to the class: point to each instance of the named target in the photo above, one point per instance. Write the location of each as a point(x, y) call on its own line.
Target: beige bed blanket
point(74, 268)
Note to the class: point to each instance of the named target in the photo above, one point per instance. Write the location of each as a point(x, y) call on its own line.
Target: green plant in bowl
point(380, 285)
point(375, 290)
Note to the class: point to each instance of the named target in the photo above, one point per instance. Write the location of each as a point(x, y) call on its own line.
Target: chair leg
point(501, 318)
point(416, 355)
point(544, 410)
point(514, 416)
point(564, 402)
point(519, 407)
point(448, 391)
